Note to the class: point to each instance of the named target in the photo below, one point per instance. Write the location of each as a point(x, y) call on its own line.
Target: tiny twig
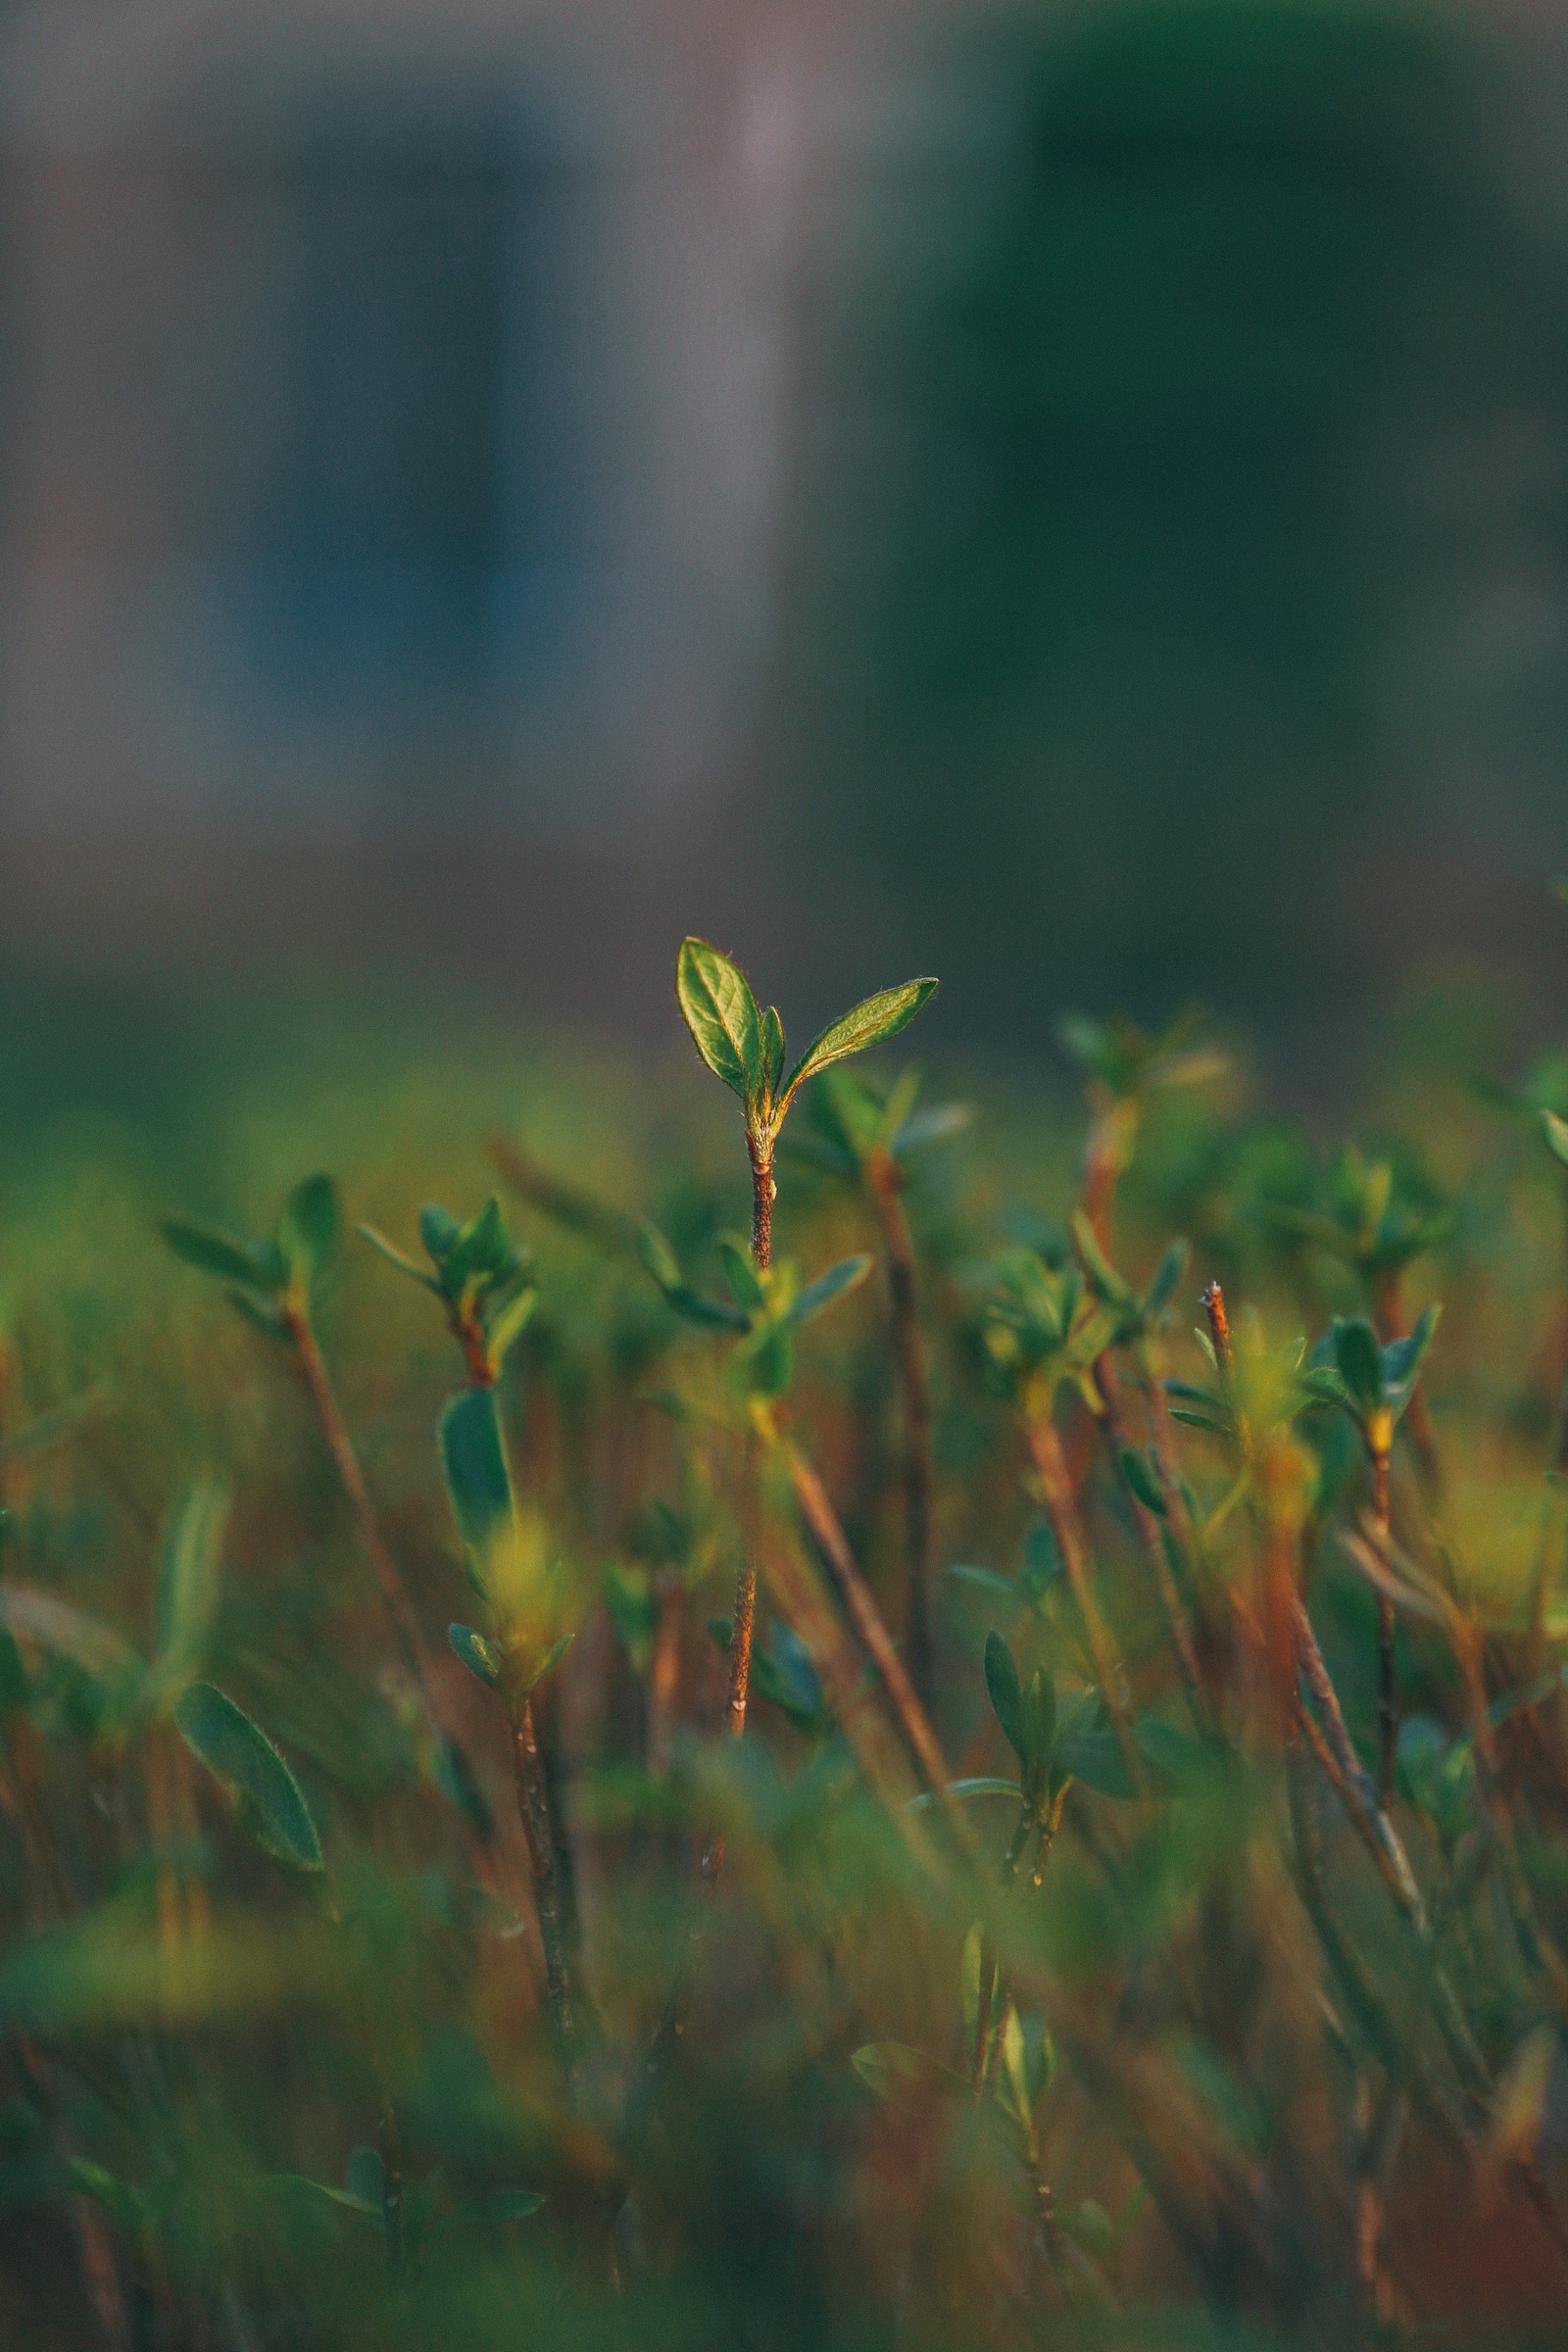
point(886, 1181)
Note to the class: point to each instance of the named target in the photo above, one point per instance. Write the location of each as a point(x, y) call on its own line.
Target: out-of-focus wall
point(1070, 493)
point(390, 409)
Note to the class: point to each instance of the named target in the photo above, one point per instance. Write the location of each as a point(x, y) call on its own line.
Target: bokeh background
point(1075, 497)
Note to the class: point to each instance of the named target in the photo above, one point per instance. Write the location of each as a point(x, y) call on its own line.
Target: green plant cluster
point(994, 1775)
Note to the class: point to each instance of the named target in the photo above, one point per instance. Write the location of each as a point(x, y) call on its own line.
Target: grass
point(999, 1772)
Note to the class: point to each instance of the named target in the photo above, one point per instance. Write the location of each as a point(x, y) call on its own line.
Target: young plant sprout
point(744, 1048)
point(480, 1277)
point(1375, 1384)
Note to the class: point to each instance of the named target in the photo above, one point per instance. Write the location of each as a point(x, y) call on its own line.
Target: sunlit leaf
point(870, 1023)
point(720, 1012)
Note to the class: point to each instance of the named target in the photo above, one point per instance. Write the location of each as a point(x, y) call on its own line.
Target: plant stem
point(1055, 1493)
point(1357, 1793)
point(410, 1641)
point(886, 1181)
point(822, 1525)
point(533, 1804)
point(1152, 1537)
point(743, 1612)
point(1388, 1704)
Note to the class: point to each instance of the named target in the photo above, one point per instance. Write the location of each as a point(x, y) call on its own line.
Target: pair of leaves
point(744, 1046)
point(1026, 1711)
point(1044, 1330)
point(852, 1121)
point(479, 1274)
point(259, 1784)
point(1127, 1063)
point(265, 1277)
point(1352, 1369)
point(764, 1309)
point(1134, 1316)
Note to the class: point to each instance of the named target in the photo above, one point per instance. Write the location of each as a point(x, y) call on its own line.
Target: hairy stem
point(886, 1178)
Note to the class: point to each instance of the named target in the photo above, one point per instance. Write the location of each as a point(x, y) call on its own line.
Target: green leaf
point(907, 2077)
point(1167, 1274)
point(477, 1653)
point(785, 1675)
point(438, 1231)
point(1006, 1693)
point(506, 1327)
point(395, 1257)
point(1140, 1476)
point(550, 1659)
point(130, 2207)
point(661, 1261)
point(367, 2180)
point(185, 1585)
point(1040, 1714)
point(772, 1051)
point(828, 1287)
point(1096, 1758)
point(1360, 1360)
point(720, 1012)
point(987, 1580)
point(740, 1272)
point(231, 1258)
point(983, 1784)
point(308, 1230)
point(1402, 1359)
point(474, 1461)
point(480, 1249)
point(291, 2183)
point(870, 1023)
point(1104, 1278)
point(1556, 1134)
point(239, 1755)
point(931, 1126)
point(491, 2211)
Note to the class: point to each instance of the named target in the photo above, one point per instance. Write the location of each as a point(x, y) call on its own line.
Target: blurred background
point(1071, 497)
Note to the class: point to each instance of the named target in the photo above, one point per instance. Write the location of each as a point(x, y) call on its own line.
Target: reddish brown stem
point(1056, 1495)
point(1388, 1704)
point(404, 1623)
point(886, 1180)
point(832, 1544)
point(1152, 1537)
point(533, 1804)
